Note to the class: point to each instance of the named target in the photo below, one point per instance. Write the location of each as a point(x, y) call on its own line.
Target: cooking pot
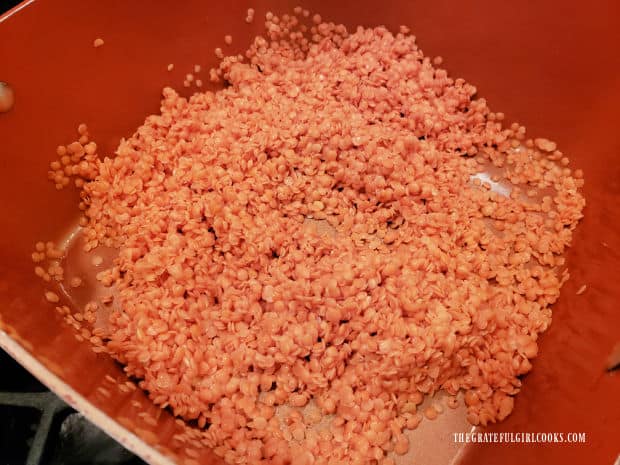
point(552, 66)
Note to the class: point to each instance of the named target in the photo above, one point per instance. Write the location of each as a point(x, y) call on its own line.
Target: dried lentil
point(319, 222)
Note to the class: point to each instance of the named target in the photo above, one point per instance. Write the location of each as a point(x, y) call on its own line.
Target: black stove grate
point(27, 413)
point(38, 428)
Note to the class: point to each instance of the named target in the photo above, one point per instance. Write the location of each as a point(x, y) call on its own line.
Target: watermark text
point(525, 438)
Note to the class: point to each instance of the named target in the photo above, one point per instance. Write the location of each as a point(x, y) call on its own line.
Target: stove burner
point(37, 428)
point(43, 405)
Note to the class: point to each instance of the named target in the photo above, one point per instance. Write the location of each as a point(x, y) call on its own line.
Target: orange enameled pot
point(552, 66)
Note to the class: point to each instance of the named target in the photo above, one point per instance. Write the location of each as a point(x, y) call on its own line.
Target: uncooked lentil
point(7, 97)
point(316, 232)
point(51, 297)
point(431, 412)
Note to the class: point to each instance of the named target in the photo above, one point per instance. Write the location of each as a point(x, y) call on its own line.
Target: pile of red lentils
point(314, 236)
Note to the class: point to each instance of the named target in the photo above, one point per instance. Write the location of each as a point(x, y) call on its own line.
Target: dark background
point(6, 4)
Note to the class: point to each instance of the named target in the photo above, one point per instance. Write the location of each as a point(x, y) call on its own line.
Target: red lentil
point(316, 232)
point(51, 297)
point(7, 97)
